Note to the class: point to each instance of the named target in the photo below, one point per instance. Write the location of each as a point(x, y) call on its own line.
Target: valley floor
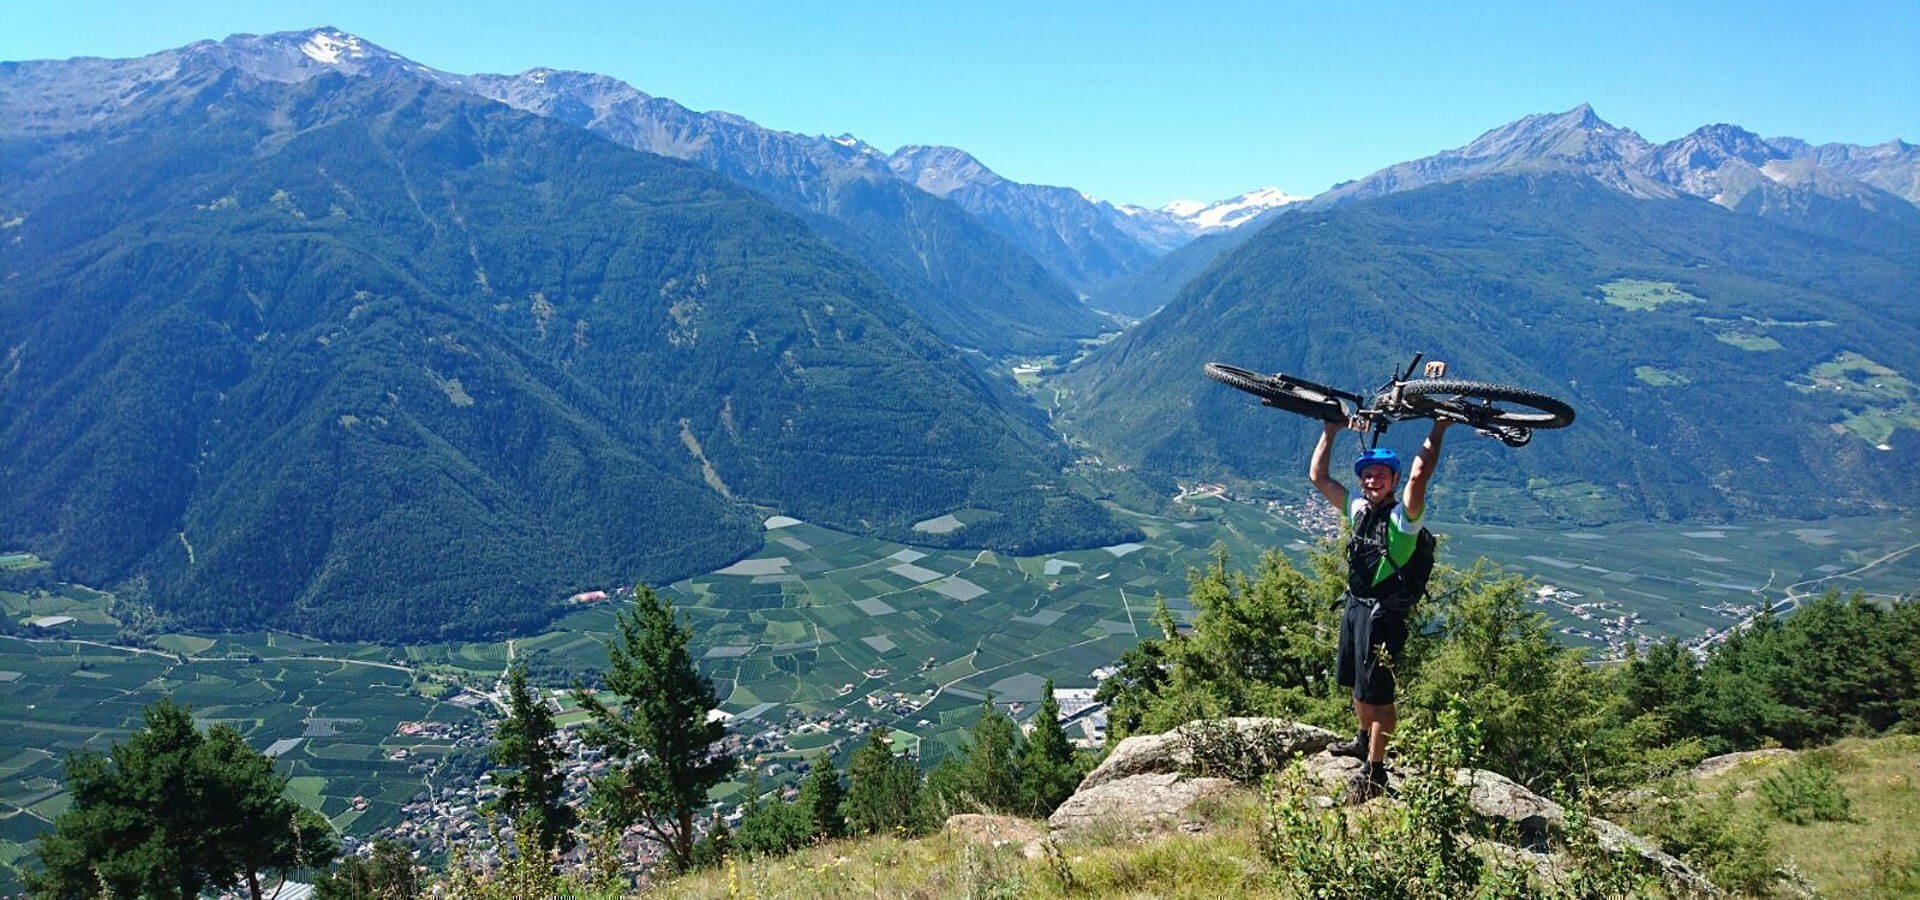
point(818, 637)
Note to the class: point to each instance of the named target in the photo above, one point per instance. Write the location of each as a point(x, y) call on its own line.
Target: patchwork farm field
point(817, 622)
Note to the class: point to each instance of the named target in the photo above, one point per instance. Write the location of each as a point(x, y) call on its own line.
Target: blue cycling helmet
point(1378, 456)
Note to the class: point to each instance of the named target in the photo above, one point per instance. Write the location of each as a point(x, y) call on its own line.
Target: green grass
point(1639, 295)
point(1748, 341)
point(1659, 377)
point(21, 560)
point(1874, 400)
point(1877, 855)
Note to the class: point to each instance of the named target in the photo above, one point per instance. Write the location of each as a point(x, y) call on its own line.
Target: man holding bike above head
point(1388, 560)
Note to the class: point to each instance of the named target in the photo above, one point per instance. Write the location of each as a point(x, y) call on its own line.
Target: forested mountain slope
point(972, 284)
point(367, 356)
point(1721, 363)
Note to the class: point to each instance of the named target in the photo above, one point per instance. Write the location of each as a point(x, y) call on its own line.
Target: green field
point(1748, 341)
point(20, 560)
point(1659, 377)
point(1639, 295)
point(821, 622)
point(1874, 401)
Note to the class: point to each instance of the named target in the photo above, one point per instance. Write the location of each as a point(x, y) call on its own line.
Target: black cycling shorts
point(1366, 630)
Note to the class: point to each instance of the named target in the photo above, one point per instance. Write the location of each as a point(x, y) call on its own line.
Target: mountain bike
point(1509, 414)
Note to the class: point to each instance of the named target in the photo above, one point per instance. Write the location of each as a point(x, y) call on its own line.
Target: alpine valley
point(331, 384)
point(299, 333)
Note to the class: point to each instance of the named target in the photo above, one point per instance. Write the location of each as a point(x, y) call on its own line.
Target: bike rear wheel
point(1282, 392)
point(1485, 405)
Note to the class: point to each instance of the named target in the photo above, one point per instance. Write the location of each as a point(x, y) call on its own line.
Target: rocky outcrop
point(1727, 762)
point(1139, 803)
point(1235, 748)
point(1514, 815)
point(1155, 782)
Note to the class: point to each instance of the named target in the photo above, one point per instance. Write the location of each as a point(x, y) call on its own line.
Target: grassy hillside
point(1875, 855)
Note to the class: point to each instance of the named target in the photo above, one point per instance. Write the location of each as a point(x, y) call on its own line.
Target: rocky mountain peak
point(1578, 136)
point(941, 170)
point(1711, 145)
point(291, 56)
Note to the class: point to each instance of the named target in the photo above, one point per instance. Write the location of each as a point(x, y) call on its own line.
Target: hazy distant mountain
point(1723, 164)
point(1893, 166)
point(1083, 241)
point(1574, 141)
point(359, 354)
point(1858, 194)
point(974, 285)
point(1734, 168)
point(976, 288)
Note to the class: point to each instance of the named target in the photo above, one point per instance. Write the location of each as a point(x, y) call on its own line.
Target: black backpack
point(1408, 583)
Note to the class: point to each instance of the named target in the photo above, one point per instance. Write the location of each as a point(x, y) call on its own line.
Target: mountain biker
point(1373, 628)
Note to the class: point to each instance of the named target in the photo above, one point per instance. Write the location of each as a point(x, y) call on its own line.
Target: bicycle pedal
point(1436, 369)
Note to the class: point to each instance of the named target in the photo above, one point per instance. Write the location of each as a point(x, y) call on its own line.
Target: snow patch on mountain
point(1182, 208)
point(1230, 213)
point(328, 46)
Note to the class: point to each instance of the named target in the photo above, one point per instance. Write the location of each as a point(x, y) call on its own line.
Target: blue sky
point(1134, 102)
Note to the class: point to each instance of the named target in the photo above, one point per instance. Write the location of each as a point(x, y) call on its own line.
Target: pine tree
point(126, 832)
point(773, 827)
point(988, 777)
point(389, 875)
point(884, 793)
point(1049, 768)
point(666, 746)
point(821, 796)
point(532, 786)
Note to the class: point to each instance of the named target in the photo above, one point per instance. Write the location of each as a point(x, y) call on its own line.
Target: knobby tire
point(1281, 392)
point(1538, 410)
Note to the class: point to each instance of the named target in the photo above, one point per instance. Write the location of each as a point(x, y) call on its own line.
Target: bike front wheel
point(1282, 392)
point(1486, 406)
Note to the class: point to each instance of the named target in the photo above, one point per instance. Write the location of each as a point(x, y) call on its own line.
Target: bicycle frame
point(1387, 407)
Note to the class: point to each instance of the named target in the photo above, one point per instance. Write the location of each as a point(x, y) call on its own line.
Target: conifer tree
point(527, 745)
point(389, 875)
point(175, 812)
point(884, 793)
point(821, 796)
point(1049, 769)
point(665, 744)
point(988, 774)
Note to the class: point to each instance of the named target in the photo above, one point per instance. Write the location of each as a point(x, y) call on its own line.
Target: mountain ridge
point(376, 357)
point(1532, 280)
point(1867, 196)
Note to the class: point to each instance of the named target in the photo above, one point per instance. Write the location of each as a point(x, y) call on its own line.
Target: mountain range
point(361, 354)
point(1860, 194)
point(1736, 322)
point(298, 332)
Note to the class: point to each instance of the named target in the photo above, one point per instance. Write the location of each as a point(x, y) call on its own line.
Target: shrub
point(1805, 792)
point(1420, 847)
point(1729, 846)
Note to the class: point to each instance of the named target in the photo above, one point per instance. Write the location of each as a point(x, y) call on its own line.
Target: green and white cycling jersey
point(1367, 565)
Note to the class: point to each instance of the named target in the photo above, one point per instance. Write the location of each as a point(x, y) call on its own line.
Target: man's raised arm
point(1318, 470)
point(1414, 500)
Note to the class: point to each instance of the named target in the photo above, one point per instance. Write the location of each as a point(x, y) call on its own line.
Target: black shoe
point(1356, 748)
point(1367, 784)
